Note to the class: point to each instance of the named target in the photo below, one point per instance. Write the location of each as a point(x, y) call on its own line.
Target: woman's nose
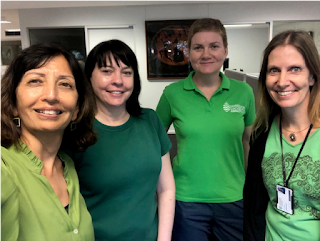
point(283, 79)
point(117, 79)
point(50, 93)
point(205, 53)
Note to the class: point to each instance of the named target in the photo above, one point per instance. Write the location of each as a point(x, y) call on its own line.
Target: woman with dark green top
point(126, 177)
point(45, 106)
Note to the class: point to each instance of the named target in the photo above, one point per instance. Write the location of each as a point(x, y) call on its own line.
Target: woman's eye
point(273, 70)
point(106, 71)
point(295, 69)
point(67, 85)
point(197, 47)
point(34, 82)
point(214, 46)
point(128, 73)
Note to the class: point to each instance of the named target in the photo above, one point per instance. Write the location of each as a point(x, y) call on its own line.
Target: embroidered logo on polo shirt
point(234, 108)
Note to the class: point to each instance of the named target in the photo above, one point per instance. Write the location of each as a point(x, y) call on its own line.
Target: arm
point(246, 146)
point(166, 199)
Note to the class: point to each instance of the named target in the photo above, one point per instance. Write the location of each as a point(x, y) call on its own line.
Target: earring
point(17, 121)
point(73, 126)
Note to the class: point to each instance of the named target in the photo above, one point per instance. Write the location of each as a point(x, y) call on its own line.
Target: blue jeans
point(208, 221)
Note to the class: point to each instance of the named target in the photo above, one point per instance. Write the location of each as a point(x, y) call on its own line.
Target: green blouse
point(30, 209)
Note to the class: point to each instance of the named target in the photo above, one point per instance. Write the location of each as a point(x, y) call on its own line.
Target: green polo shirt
point(30, 209)
point(209, 166)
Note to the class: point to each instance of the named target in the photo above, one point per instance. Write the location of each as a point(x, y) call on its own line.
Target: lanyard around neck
point(285, 181)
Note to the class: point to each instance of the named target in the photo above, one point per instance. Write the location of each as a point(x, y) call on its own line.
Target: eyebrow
point(216, 42)
point(111, 66)
point(43, 75)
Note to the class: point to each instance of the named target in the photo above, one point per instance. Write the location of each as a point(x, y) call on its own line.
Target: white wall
point(246, 47)
point(313, 26)
point(235, 12)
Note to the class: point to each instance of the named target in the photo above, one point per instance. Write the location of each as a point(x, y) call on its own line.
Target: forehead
point(111, 60)
point(285, 54)
point(56, 63)
point(206, 36)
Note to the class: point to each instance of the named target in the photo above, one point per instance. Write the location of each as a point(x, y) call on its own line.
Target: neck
point(295, 121)
point(45, 146)
point(207, 80)
point(112, 116)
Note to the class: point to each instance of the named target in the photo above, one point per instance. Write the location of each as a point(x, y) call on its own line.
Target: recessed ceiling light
point(237, 25)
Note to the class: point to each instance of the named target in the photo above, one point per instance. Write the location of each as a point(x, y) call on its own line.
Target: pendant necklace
point(292, 134)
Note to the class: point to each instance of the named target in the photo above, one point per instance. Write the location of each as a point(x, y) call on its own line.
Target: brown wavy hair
point(35, 57)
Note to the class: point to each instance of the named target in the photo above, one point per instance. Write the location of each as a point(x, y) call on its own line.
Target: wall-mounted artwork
point(167, 50)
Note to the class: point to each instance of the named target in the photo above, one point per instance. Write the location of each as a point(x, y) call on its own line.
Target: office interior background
point(103, 20)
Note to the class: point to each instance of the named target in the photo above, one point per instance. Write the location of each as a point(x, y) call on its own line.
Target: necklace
point(292, 134)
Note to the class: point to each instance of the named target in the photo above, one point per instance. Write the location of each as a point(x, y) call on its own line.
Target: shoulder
point(180, 84)
point(147, 113)
point(4, 157)
point(150, 117)
point(174, 86)
point(7, 175)
point(8, 154)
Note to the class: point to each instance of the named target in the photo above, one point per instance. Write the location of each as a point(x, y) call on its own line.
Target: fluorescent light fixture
point(13, 30)
point(237, 25)
point(3, 20)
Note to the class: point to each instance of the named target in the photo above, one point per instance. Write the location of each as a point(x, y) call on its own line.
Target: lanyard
point(285, 182)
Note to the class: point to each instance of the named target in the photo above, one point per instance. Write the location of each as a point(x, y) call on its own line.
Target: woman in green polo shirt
point(212, 117)
point(45, 105)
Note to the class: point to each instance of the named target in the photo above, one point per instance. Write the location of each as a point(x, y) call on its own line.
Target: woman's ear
point(15, 112)
point(311, 80)
point(75, 113)
point(227, 52)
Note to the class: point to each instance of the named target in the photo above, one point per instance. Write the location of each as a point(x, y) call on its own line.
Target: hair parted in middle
point(304, 44)
point(120, 52)
point(208, 25)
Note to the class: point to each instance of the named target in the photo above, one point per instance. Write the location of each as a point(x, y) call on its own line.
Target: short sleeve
point(251, 109)
point(9, 205)
point(163, 137)
point(164, 111)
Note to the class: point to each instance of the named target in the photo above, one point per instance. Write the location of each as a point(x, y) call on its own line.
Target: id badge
point(285, 199)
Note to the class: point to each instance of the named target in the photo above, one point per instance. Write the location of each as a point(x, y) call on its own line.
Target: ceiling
point(9, 4)
point(14, 4)
point(9, 9)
